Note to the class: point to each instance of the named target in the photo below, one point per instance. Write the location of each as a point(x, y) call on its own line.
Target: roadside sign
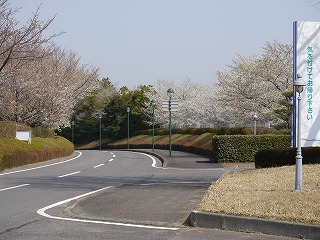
point(174, 105)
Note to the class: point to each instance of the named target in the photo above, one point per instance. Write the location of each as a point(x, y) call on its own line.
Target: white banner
point(306, 64)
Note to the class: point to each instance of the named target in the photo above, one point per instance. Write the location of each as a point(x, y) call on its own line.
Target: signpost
point(170, 106)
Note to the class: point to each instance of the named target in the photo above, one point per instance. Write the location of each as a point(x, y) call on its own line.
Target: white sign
point(174, 106)
point(24, 135)
point(307, 65)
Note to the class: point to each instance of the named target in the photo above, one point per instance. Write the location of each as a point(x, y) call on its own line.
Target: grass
point(267, 193)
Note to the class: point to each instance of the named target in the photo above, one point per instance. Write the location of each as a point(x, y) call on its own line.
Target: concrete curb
point(250, 224)
point(162, 159)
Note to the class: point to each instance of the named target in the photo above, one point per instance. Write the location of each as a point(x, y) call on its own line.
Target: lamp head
point(298, 83)
point(128, 109)
point(170, 92)
point(254, 116)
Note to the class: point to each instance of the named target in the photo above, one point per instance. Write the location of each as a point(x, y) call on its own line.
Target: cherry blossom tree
point(197, 107)
point(255, 84)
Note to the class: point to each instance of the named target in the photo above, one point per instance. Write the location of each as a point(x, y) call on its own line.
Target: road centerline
point(69, 174)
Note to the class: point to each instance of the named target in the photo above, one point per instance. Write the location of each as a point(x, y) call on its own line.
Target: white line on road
point(100, 165)
point(9, 188)
point(113, 156)
point(29, 169)
point(111, 160)
point(69, 174)
point(42, 213)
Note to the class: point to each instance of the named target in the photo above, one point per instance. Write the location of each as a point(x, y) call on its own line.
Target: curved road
point(105, 195)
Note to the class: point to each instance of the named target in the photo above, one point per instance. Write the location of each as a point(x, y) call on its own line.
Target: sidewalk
point(189, 160)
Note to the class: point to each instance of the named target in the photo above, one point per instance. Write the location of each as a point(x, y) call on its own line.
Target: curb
point(251, 224)
point(163, 160)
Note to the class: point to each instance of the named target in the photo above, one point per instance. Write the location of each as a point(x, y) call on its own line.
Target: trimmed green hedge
point(14, 153)
point(216, 131)
point(8, 130)
point(243, 148)
point(287, 156)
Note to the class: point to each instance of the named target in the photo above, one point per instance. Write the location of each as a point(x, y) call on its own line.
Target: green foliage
point(216, 131)
point(284, 112)
point(8, 130)
point(243, 148)
point(287, 156)
point(14, 153)
point(116, 116)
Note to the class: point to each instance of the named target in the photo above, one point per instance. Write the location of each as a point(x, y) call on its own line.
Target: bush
point(239, 148)
point(216, 131)
point(8, 130)
point(14, 153)
point(287, 156)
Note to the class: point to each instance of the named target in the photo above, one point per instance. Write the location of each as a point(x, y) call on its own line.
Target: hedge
point(14, 153)
point(287, 156)
point(216, 131)
point(8, 130)
point(243, 148)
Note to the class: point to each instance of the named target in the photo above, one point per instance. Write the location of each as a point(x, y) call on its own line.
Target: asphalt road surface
point(105, 195)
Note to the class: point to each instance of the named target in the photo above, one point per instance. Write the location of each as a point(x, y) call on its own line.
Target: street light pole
point(299, 84)
point(100, 116)
point(254, 124)
point(153, 104)
point(72, 125)
point(128, 111)
point(170, 94)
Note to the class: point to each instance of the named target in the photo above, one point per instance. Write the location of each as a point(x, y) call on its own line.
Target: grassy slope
point(201, 144)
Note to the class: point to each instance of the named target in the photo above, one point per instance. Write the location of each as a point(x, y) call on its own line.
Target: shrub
point(14, 153)
point(8, 130)
point(238, 148)
point(287, 156)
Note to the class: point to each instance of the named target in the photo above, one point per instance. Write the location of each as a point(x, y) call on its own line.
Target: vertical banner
point(306, 61)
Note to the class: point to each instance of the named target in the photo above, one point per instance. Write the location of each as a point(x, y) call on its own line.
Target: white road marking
point(69, 174)
point(29, 169)
point(154, 161)
point(42, 213)
point(113, 155)
point(100, 165)
point(111, 160)
point(9, 188)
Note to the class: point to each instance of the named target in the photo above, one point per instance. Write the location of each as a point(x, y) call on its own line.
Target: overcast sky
point(136, 42)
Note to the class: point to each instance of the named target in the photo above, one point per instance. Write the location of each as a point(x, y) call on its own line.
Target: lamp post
point(128, 112)
point(72, 125)
point(100, 117)
point(254, 124)
point(290, 103)
point(298, 85)
point(153, 104)
point(170, 94)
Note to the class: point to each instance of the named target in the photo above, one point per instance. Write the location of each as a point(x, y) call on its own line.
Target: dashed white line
point(111, 160)
point(100, 165)
point(42, 213)
point(9, 188)
point(69, 174)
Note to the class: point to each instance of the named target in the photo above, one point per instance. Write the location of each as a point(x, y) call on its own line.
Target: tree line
point(43, 85)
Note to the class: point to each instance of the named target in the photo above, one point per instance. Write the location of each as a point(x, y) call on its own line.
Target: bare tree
point(21, 43)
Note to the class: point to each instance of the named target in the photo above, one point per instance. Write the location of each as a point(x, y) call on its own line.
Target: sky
point(137, 42)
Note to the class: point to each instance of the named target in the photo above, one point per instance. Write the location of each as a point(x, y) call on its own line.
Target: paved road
point(105, 195)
